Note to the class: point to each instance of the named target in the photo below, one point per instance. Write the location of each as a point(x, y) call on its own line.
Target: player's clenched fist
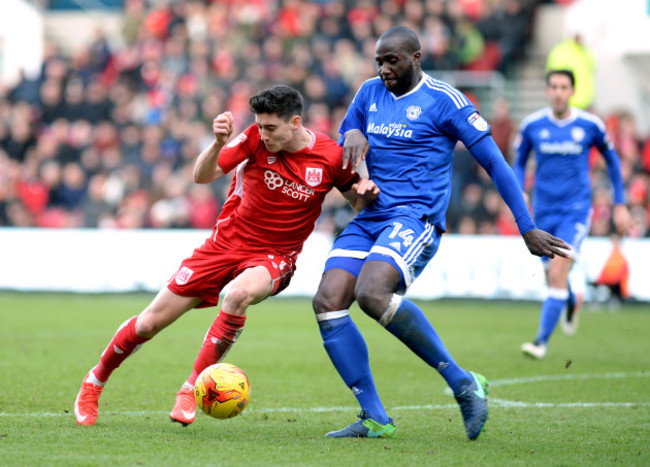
point(222, 127)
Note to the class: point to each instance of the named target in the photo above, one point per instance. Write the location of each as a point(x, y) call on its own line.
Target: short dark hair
point(281, 100)
point(567, 73)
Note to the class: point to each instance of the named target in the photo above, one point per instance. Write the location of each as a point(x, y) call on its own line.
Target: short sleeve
point(238, 150)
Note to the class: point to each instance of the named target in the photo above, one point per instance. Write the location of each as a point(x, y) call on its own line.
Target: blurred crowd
point(107, 136)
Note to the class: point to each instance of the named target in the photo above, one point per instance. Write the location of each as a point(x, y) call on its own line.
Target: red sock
point(124, 343)
point(220, 337)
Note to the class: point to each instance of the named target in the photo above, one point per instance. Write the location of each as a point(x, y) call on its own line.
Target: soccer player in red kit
point(282, 172)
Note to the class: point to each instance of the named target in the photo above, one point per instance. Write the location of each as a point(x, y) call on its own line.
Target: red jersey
point(276, 198)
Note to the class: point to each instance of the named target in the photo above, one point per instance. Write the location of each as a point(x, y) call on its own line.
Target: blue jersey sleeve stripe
point(454, 94)
point(455, 99)
point(464, 100)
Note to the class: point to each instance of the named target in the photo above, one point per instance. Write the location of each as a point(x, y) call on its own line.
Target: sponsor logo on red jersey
point(313, 176)
point(292, 189)
point(272, 180)
point(241, 137)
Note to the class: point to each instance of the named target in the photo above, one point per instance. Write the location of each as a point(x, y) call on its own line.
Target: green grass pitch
point(588, 402)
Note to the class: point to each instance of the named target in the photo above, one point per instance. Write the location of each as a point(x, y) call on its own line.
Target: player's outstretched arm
point(207, 168)
point(538, 242)
point(622, 218)
point(487, 153)
point(541, 243)
point(362, 194)
point(355, 148)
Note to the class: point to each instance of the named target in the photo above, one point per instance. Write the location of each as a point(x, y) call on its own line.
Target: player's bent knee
point(322, 303)
point(147, 326)
point(237, 298)
point(332, 296)
point(371, 301)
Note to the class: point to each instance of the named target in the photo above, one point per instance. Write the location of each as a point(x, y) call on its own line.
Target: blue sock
point(550, 314)
point(348, 351)
point(409, 324)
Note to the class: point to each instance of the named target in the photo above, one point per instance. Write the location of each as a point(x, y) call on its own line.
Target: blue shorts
point(405, 242)
point(571, 227)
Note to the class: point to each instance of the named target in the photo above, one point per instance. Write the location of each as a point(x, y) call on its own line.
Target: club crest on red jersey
point(183, 276)
point(313, 176)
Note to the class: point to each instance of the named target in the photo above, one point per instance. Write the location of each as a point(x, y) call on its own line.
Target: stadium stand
point(106, 134)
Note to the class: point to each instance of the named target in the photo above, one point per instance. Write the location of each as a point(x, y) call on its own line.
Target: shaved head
point(406, 38)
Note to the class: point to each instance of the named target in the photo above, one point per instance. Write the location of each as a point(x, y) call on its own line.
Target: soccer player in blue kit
point(561, 138)
point(406, 124)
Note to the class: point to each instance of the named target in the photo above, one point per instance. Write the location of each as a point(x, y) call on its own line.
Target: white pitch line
point(493, 402)
point(570, 376)
point(526, 405)
point(495, 383)
point(567, 377)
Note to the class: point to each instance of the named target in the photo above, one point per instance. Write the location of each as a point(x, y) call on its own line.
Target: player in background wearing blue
point(561, 138)
point(406, 124)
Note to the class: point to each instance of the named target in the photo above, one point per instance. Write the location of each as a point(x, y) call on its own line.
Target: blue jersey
point(412, 139)
point(561, 147)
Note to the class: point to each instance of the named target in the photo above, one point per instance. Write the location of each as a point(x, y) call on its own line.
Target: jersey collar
point(573, 114)
point(418, 86)
point(312, 141)
point(310, 145)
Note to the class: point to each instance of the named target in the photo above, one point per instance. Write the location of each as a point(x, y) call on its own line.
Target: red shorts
point(212, 266)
